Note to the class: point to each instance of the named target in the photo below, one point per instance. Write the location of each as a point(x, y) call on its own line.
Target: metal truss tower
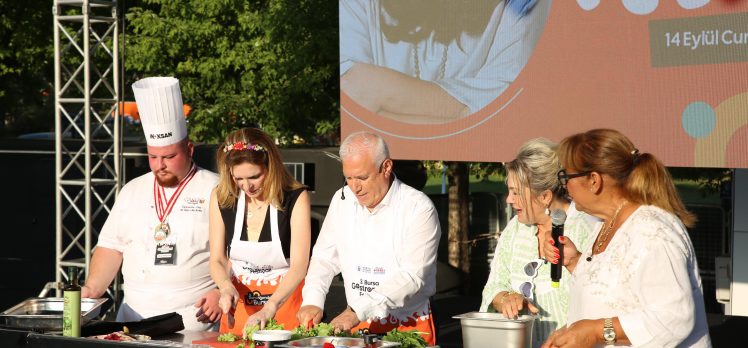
point(87, 130)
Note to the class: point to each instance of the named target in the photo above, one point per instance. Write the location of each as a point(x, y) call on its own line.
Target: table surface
point(187, 338)
point(182, 339)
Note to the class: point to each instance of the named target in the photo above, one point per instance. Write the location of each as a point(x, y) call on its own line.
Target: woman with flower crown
point(260, 234)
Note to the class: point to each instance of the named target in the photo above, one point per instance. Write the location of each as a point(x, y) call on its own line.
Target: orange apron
point(252, 298)
point(416, 322)
point(257, 269)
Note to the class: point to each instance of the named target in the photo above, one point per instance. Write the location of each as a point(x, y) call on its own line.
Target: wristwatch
point(609, 333)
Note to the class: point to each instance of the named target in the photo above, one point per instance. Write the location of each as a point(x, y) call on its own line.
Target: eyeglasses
point(564, 177)
point(527, 289)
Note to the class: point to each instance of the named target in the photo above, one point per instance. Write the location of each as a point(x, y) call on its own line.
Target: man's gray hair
point(361, 141)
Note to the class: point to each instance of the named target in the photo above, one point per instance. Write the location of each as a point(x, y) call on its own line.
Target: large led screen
point(471, 80)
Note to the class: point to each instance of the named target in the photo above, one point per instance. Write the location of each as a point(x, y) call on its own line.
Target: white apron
point(371, 262)
point(259, 261)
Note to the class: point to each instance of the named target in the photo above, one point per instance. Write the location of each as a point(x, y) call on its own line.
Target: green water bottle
point(71, 310)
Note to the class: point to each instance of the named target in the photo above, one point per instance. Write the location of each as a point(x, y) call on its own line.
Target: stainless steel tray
point(45, 313)
point(317, 342)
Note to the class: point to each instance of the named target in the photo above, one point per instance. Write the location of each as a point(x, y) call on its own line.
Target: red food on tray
point(121, 336)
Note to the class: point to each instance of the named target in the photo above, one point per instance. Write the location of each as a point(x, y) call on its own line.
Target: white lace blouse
point(648, 277)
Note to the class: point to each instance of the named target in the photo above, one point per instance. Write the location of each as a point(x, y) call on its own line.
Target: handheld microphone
point(342, 191)
point(558, 217)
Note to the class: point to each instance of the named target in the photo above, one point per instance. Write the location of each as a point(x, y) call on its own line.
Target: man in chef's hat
point(158, 227)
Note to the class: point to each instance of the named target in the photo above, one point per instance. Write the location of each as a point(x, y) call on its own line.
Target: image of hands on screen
point(434, 61)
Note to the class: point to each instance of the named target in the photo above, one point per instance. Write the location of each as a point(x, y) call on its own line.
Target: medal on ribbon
point(161, 231)
point(164, 206)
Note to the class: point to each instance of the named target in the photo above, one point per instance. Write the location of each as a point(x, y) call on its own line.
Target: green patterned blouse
point(518, 245)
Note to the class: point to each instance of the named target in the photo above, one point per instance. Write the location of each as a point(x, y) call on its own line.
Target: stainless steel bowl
point(45, 313)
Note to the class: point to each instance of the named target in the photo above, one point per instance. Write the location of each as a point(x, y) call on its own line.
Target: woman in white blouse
point(520, 277)
point(638, 283)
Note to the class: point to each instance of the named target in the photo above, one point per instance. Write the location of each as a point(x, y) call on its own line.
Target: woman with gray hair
point(520, 270)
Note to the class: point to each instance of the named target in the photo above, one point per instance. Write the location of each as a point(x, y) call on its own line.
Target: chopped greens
point(273, 325)
point(407, 339)
point(227, 337)
point(321, 329)
point(269, 325)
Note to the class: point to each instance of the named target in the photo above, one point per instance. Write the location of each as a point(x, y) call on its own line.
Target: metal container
point(271, 338)
point(317, 342)
point(45, 313)
point(494, 330)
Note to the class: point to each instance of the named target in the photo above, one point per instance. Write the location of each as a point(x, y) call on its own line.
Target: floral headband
point(241, 146)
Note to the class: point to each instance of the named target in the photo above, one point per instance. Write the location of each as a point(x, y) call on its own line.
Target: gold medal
point(161, 231)
point(164, 207)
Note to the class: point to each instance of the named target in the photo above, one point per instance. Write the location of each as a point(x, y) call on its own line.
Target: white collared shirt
point(129, 229)
point(405, 222)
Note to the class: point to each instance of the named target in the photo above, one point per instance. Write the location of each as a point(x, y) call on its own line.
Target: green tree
point(26, 70)
point(270, 63)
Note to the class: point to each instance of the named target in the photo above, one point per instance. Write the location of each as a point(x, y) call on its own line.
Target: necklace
point(251, 211)
point(417, 64)
point(607, 230)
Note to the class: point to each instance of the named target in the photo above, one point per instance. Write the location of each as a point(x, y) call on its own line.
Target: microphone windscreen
point(558, 217)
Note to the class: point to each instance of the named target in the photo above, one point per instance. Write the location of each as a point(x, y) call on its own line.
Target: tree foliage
point(270, 63)
point(26, 70)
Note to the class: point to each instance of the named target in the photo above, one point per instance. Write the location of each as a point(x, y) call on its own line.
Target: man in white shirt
point(158, 227)
point(384, 242)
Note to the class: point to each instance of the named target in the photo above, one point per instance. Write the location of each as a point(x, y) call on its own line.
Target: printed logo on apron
point(256, 298)
point(256, 269)
point(364, 286)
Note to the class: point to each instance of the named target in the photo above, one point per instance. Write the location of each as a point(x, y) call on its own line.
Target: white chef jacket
point(404, 221)
point(149, 289)
point(477, 69)
point(648, 277)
